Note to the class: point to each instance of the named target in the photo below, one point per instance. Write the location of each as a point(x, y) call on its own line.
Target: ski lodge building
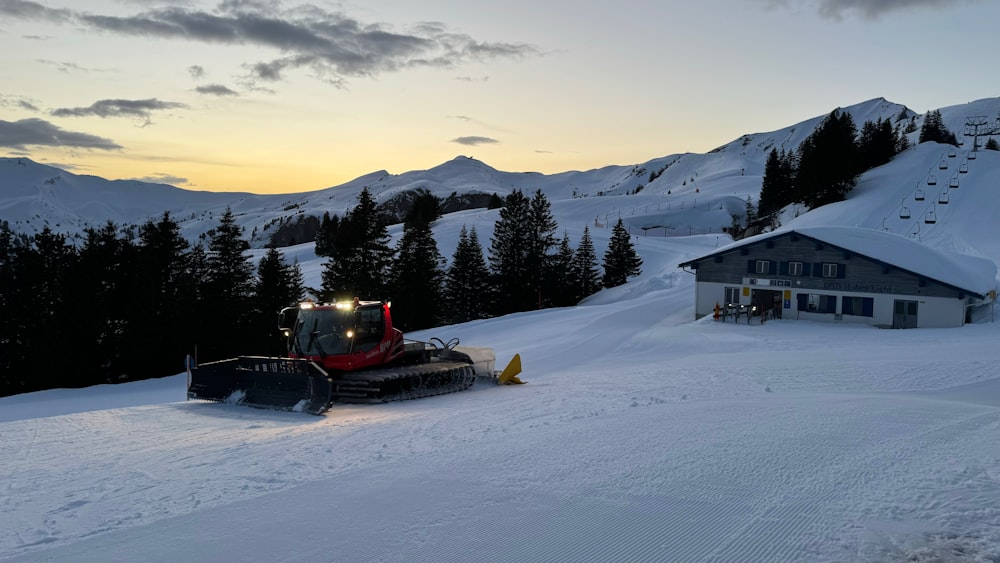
point(842, 274)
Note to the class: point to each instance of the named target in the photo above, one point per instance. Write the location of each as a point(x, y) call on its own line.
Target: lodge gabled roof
point(960, 271)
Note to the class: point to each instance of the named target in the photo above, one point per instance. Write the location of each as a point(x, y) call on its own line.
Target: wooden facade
point(791, 275)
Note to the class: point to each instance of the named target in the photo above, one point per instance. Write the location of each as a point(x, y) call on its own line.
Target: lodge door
point(904, 314)
point(767, 302)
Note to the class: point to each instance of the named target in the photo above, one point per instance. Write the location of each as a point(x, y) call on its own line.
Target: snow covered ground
point(642, 436)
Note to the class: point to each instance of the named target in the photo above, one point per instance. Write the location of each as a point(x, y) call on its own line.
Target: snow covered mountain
point(34, 195)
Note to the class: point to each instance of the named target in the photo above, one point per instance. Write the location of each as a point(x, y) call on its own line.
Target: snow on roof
point(969, 273)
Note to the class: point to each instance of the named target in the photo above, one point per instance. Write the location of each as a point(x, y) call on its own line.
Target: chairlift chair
point(963, 168)
point(943, 165)
point(972, 155)
point(952, 153)
point(931, 180)
point(943, 198)
point(954, 181)
point(930, 217)
point(918, 195)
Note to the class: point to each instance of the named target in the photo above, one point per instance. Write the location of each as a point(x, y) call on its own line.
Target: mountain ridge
point(35, 195)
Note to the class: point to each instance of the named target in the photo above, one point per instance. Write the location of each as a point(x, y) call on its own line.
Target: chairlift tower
point(980, 125)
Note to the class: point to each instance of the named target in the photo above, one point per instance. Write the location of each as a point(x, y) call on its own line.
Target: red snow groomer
point(346, 352)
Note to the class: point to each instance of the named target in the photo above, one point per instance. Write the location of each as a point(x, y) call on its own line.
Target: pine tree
point(902, 141)
point(467, 280)
point(621, 260)
point(508, 256)
point(102, 284)
point(828, 162)
point(586, 278)
point(161, 322)
point(877, 144)
point(230, 266)
point(542, 242)
point(10, 381)
point(992, 145)
point(777, 187)
point(931, 128)
point(417, 279)
point(278, 285)
point(560, 284)
point(327, 234)
point(770, 201)
point(749, 212)
point(426, 208)
point(361, 258)
point(161, 262)
point(193, 295)
point(18, 359)
point(43, 292)
point(230, 289)
point(934, 130)
point(54, 257)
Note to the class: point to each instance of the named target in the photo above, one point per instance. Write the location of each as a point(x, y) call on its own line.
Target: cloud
point(477, 122)
point(216, 90)
point(197, 71)
point(868, 9)
point(38, 132)
point(20, 9)
point(330, 44)
point(161, 178)
point(66, 66)
point(140, 109)
point(474, 141)
point(17, 101)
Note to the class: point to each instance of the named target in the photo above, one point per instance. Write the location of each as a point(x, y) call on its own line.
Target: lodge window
point(858, 306)
point(795, 268)
point(732, 295)
point(817, 303)
point(830, 270)
point(763, 266)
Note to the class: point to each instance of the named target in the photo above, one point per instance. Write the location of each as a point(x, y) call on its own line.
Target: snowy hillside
point(642, 434)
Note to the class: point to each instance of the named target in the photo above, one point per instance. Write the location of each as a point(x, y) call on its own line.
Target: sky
point(271, 97)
